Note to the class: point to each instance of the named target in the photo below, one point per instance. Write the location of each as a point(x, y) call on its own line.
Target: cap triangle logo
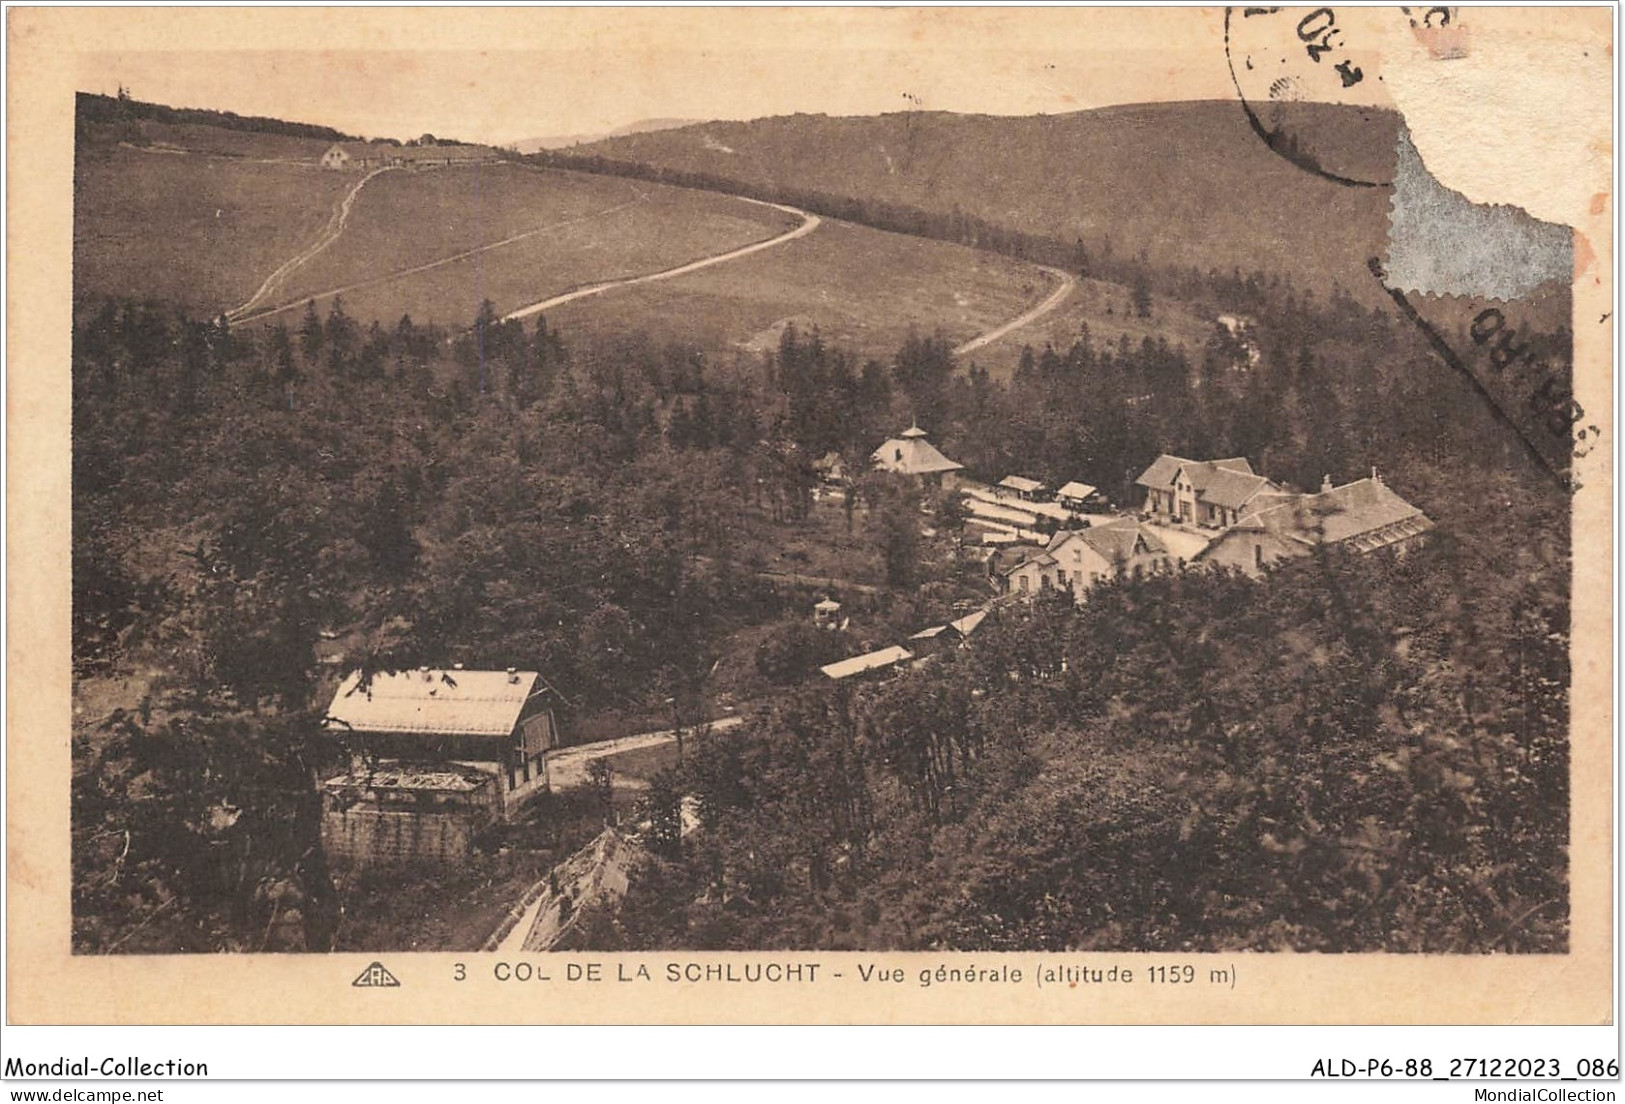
point(375, 975)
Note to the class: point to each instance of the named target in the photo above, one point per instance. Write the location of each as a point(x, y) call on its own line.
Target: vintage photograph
point(874, 481)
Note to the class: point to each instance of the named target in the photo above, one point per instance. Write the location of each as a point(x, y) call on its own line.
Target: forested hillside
point(1172, 187)
point(1347, 754)
point(496, 496)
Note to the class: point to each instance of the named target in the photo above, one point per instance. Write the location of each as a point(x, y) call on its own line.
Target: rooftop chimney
point(513, 674)
point(1325, 483)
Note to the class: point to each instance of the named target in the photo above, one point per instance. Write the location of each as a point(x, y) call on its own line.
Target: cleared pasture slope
point(436, 244)
point(863, 289)
point(197, 230)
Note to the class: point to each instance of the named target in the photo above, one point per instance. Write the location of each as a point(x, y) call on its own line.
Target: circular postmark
point(1309, 81)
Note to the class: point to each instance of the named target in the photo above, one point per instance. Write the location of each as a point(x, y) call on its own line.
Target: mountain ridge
point(1187, 184)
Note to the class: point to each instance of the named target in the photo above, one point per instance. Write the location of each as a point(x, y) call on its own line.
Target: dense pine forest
point(1348, 754)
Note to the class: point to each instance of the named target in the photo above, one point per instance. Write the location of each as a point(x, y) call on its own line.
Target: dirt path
point(329, 235)
point(567, 768)
point(808, 225)
point(437, 263)
point(1056, 298)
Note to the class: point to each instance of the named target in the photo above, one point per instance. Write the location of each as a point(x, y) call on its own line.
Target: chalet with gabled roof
point(437, 757)
point(1211, 493)
point(1076, 559)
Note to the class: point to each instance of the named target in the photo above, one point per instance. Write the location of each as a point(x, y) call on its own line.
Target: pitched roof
point(968, 624)
point(1161, 472)
point(870, 661)
point(1366, 513)
point(1122, 540)
point(1075, 489)
point(908, 455)
point(1035, 557)
point(930, 634)
point(1228, 488)
point(1020, 483)
point(478, 703)
point(1165, 467)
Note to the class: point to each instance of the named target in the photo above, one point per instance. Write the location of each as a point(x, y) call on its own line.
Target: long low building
point(992, 511)
point(1359, 517)
point(868, 663)
point(361, 156)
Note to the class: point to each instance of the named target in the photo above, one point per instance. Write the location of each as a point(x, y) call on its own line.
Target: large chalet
point(437, 757)
point(1362, 516)
point(1210, 493)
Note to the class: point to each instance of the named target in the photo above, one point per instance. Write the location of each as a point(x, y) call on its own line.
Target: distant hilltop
point(95, 108)
point(1107, 183)
point(564, 141)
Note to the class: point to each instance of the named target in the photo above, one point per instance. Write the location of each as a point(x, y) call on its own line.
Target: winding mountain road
point(1055, 299)
point(567, 767)
point(253, 309)
point(809, 223)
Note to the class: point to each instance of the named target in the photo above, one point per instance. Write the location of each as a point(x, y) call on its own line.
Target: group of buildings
point(366, 156)
point(1194, 512)
point(441, 756)
point(1220, 512)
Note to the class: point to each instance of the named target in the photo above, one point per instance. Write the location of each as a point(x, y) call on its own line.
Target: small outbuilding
point(1028, 490)
point(1077, 496)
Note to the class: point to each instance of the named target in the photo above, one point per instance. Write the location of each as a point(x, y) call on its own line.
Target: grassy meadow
point(196, 230)
point(863, 289)
point(571, 229)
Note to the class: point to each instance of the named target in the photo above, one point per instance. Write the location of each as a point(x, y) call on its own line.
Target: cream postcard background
point(1525, 118)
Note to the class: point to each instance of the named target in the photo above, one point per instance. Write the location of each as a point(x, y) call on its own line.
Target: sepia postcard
point(591, 515)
